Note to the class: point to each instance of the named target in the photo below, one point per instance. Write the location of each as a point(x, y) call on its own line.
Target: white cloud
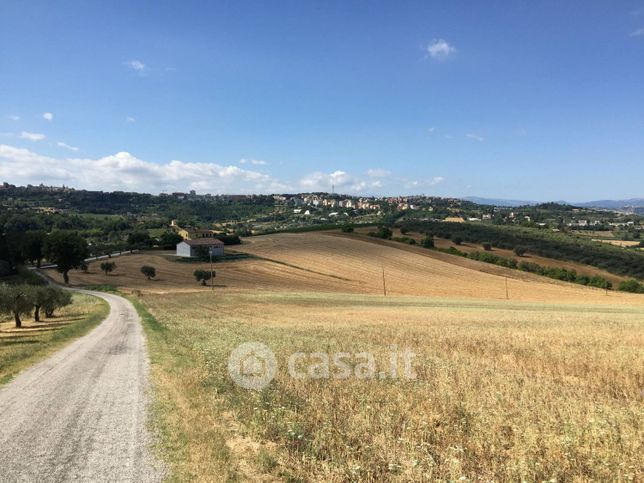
point(378, 173)
point(130, 119)
point(340, 180)
point(123, 171)
point(136, 65)
point(13, 117)
point(255, 162)
point(638, 32)
point(440, 49)
point(67, 146)
point(430, 130)
point(475, 137)
point(424, 183)
point(48, 116)
point(32, 136)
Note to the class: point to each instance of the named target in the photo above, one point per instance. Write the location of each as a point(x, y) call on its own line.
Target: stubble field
point(326, 263)
point(504, 390)
point(544, 386)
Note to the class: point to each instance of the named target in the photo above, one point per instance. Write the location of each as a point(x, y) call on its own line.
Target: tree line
point(547, 244)
point(23, 299)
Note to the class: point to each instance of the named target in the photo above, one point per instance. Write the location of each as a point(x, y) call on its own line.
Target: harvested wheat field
point(416, 271)
point(504, 391)
point(325, 262)
point(467, 247)
point(543, 386)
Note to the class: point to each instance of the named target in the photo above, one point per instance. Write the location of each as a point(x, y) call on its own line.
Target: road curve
point(81, 414)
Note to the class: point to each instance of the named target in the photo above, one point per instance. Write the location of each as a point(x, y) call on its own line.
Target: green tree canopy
point(67, 250)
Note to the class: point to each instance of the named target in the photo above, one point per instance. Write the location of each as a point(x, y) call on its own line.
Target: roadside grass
point(24, 347)
point(182, 412)
point(505, 391)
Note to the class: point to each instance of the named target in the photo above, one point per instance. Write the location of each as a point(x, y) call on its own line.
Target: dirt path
point(81, 414)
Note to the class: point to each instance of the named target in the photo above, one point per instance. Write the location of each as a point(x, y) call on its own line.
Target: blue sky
point(516, 99)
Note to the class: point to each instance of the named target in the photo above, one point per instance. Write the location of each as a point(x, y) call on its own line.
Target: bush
point(428, 242)
point(487, 246)
point(229, 239)
point(347, 229)
point(457, 240)
point(456, 251)
point(496, 260)
point(519, 251)
point(404, 239)
point(404, 231)
point(383, 232)
point(632, 286)
point(149, 271)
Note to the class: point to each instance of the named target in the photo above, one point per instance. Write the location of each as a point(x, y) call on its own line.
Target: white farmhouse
point(192, 248)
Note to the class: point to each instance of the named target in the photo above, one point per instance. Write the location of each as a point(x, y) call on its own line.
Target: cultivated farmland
point(546, 385)
point(504, 391)
point(324, 262)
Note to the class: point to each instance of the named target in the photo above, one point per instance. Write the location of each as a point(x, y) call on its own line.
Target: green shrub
point(632, 286)
point(428, 242)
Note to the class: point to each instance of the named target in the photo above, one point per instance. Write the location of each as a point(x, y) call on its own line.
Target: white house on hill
point(191, 248)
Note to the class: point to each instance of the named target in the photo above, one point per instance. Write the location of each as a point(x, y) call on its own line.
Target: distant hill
point(499, 202)
point(615, 204)
point(633, 204)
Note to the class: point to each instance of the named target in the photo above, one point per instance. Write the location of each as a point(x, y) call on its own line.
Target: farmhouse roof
point(208, 242)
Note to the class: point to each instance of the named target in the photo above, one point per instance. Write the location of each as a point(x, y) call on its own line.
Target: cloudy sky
point(516, 99)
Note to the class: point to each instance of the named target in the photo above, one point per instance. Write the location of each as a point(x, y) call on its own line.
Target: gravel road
point(81, 414)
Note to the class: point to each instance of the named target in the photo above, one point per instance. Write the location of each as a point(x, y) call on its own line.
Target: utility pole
point(384, 283)
point(212, 280)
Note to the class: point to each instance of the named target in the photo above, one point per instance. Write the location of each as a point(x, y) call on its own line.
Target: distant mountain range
point(605, 204)
point(499, 202)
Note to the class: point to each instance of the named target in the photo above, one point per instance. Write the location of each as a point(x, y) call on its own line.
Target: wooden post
point(384, 283)
point(507, 294)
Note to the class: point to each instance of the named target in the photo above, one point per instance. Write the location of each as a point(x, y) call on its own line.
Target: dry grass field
point(35, 340)
point(544, 386)
point(543, 261)
point(325, 262)
point(504, 390)
point(620, 243)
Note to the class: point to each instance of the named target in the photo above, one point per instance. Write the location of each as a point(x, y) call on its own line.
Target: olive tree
point(203, 275)
point(16, 300)
point(108, 267)
point(149, 271)
point(57, 300)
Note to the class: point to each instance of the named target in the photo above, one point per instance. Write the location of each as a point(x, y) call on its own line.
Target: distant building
point(192, 248)
point(196, 234)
